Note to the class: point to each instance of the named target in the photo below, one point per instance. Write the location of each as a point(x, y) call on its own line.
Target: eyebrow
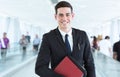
point(62, 13)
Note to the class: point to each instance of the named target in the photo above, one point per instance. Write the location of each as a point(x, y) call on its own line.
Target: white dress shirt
point(70, 38)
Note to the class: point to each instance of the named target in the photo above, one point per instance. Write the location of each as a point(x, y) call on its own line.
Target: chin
point(65, 26)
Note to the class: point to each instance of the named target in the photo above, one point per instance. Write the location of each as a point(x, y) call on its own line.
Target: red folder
point(68, 68)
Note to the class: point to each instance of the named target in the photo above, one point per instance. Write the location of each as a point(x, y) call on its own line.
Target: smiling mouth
point(64, 22)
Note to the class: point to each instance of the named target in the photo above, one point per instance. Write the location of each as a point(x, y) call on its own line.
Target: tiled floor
point(105, 66)
point(14, 58)
point(30, 67)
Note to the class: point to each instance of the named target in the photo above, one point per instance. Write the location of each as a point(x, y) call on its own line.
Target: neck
point(66, 30)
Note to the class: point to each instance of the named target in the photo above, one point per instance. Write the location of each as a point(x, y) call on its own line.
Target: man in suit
point(53, 48)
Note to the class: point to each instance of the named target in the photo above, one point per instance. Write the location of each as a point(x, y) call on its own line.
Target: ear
point(73, 15)
point(55, 16)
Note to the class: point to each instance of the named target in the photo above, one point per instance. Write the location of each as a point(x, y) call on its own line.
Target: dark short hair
point(107, 37)
point(63, 4)
point(4, 33)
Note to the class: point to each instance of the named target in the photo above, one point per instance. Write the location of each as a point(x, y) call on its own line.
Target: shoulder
point(7, 39)
point(117, 43)
point(79, 32)
point(50, 34)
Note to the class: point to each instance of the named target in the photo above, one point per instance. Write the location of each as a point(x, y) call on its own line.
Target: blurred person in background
point(28, 37)
point(36, 42)
point(95, 44)
point(116, 50)
point(105, 46)
point(4, 45)
point(23, 44)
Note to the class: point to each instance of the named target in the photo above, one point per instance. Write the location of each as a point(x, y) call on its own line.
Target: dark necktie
point(67, 44)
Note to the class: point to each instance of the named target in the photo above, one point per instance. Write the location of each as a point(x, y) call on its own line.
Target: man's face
point(64, 17)
point(4, 35)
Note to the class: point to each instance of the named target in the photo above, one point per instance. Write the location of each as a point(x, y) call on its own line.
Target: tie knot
point(66, 35)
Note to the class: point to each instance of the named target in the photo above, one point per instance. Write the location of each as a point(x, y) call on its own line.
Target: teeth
point(64, 22)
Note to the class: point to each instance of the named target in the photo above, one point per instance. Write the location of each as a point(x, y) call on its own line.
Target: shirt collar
point(63, 33)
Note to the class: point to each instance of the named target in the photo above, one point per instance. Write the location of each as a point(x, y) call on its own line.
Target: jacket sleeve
point(42, 64)
point(88, 58)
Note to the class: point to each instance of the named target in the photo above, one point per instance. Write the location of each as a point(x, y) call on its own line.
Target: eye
point(68, 14)
point(61, 15)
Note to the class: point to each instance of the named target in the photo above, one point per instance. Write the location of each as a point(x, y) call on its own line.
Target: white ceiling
point(87, 12)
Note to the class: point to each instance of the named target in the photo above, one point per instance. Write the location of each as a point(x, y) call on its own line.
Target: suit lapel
point(74, 40)
point(60, 39)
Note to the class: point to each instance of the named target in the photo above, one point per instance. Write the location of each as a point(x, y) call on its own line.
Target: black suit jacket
point(53, 50)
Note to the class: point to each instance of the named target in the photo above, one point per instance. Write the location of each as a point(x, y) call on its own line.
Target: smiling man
point(53, 47)
point(64, 16)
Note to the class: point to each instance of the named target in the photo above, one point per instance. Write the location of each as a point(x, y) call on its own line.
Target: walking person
point(36, 43)
point(4, 45)
point(23, 45)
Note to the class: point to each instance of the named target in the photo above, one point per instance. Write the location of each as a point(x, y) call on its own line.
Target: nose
point(64, 17)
